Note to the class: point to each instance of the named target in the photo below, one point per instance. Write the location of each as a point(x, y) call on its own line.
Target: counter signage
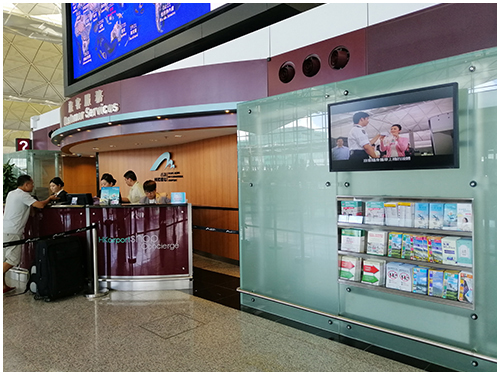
point(87, 106)
point(23, 144)
point(164, 176)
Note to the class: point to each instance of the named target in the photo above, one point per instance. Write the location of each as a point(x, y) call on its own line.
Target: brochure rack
point(357, 219)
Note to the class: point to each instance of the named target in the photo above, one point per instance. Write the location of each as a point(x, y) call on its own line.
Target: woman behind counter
point(107, 180)
point(56, 187)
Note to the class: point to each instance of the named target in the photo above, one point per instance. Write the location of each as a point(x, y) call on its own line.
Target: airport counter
point(139, 247)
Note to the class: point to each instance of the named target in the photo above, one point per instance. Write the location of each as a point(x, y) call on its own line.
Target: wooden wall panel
point(209, 169)
point(217, 243)
point(79, 175)
point(221, 244)
point(210, 178)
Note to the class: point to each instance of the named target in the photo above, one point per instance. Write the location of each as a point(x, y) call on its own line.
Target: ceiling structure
point(32, 66)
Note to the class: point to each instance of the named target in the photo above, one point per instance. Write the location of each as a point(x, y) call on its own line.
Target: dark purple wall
point(434, 33)
point(438, 32)
point(230, 82)
point(41, 139)
point(356, 67)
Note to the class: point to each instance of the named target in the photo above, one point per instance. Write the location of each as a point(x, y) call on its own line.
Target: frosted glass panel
point(288, 228)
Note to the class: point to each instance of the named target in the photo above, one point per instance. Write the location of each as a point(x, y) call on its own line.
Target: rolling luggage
point(60, 268)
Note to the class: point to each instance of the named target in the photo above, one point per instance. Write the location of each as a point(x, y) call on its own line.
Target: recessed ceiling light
point(178, 136)
point(112, 146)
point(227, 111)
point(158, 117)
point(110, 123)
point(153, 140)
point(79, 130)
point(95, 148)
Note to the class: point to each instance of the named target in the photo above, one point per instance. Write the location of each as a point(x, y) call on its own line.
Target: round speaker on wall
point(311, 65)
point(339, 58)
point(287, 72)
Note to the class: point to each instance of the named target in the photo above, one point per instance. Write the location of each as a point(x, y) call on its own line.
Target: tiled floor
point(196, 330)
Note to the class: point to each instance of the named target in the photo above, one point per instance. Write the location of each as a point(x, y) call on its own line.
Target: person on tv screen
point(394, 145)
point(152, 197)
point(340, 152)
point(360, 146)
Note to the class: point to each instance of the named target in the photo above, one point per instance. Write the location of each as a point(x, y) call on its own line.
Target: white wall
point(46, 119)
point(320, 23)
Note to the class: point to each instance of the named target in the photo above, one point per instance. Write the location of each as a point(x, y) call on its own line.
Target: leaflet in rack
point(424, 215)
point(432, 251)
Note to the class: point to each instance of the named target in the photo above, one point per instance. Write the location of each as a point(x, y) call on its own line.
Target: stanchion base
point(101, 293)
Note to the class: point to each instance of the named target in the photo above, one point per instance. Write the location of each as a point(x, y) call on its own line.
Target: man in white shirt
point(15, 216)
point(359, 143)
point(136, 191)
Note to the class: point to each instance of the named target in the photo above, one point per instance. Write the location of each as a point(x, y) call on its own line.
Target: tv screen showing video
point(415, 129)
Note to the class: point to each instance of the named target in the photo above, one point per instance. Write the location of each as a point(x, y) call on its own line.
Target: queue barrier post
point(95, 277)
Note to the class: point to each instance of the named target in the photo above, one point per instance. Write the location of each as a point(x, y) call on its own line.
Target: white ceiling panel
point(32, 66)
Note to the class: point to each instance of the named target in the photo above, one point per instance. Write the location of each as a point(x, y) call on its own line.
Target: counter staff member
point(152, 196)
point(15, 216)
point(136, 191)
point(359, 144)
point(107, 180)
point(56, 187)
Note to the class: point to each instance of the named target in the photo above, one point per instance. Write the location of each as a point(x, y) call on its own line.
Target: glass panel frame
point(287, 197)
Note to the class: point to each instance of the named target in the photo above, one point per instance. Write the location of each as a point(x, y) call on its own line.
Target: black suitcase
point(60, 268)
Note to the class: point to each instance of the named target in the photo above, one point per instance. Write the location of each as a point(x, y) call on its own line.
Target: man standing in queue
point(15, 217)
point(361, 147)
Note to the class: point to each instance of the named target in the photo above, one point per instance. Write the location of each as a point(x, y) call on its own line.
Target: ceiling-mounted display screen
point(108, 42)
point(102, 32)
point(415, 129)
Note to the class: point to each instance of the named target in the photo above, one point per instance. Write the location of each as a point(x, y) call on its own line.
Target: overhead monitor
point(102, 32)
point(106, 42)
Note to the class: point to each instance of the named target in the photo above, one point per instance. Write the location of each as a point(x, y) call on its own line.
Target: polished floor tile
point(198, 330)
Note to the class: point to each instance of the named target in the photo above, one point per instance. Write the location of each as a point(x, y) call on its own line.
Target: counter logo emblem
point(164, 156)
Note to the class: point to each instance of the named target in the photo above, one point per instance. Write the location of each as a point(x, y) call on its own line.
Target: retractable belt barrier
point(216, 229)
point(50, 236)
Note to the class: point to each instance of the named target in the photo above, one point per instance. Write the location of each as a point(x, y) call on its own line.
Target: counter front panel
point(142, 240)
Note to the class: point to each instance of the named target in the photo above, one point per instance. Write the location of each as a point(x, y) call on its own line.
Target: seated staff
point(152, 197)
point(56, 187)
point(107, 180)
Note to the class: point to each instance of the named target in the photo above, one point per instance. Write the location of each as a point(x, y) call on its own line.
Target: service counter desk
point(139, 247)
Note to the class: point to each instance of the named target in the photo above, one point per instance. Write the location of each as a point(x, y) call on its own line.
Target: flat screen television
point(102, 32)
point(107, 42)
point(414, 129)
